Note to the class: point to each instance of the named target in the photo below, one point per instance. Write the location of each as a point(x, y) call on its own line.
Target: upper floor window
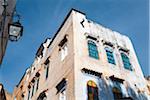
point(27, 77)
point(64, 51)
point(47, 62)
point(28, 94)
point(28, 72)
point(92, 48)
point(61, 89)
point(37, 81)
point(110, 55)
point(47, 70)
point(63, 47)
point(62, 95)
point(126, 61)
point(32, 90)
point(15, 98)
point(148, 88)
point(40, 51)
point(92, 90)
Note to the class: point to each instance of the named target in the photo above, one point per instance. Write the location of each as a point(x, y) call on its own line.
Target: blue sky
point(42, 18)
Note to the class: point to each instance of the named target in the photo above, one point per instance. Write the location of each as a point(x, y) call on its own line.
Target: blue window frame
point(110, 55)
point(92, 48)
point(126, 61)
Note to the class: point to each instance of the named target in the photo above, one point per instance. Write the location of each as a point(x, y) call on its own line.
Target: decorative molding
point(91, 72)
point(108, 43)
point(113, 78)
point(123, 49)
point(92, 37)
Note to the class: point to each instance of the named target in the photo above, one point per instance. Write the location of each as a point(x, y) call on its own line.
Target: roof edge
point(72, 9)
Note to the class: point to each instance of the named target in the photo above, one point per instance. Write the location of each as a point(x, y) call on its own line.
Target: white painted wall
point(82, 60)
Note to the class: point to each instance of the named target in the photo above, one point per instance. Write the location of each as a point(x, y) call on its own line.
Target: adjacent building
point(148, 83)
point(4, 95)
point(5, 19)
point(84, 61)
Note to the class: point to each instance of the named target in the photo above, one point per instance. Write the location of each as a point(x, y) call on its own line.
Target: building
point(4, 95)
point(84, 61)
point(5, 19)
point(8, 95)
point(148, 83)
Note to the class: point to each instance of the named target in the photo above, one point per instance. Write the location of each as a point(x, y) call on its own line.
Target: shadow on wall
point(136, 96)
point(106, 92)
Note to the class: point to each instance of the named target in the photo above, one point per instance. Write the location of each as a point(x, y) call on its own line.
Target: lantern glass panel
point(14, 31)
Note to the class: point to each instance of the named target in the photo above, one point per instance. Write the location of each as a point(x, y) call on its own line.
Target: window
point(148, 88)
point(117, 93)
point(15, 98)
point(28, 94)
point(47, 70)
point(126, 61)
point(27, 77)
point(46, 67)
point(62, 95)
point(92, 90)
point(61, 89)
point(63, 47)
point(92, 48)
point(32, 90)
point(37, 79)
point(117, 87)
point(39, 53)
point(110, 55)
point(22, 95)
point(64, 51)
point(37, 84)
point(42, 96)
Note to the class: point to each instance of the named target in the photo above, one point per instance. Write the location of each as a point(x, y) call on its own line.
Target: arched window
point(42, 96)
point(110, 55)
point(117, 93)
point(126, 61)
point(92, 90)
point(92, 48)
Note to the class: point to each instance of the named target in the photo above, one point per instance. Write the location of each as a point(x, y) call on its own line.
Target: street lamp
point(9, 29)
point(15, 30)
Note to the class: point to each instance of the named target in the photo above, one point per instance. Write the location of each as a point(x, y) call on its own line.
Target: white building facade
point(84, 61)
